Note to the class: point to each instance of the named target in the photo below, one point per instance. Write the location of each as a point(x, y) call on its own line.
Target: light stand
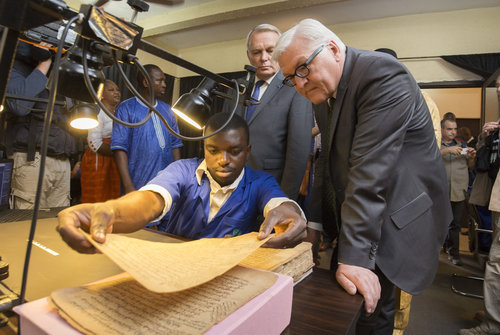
point(51, 10)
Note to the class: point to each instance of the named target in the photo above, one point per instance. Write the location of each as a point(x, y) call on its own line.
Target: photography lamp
point(116, 41)
point(194, 107)
point(83, 116)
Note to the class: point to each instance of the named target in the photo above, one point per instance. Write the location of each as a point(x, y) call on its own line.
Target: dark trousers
point(452, 241)
point(381, 321)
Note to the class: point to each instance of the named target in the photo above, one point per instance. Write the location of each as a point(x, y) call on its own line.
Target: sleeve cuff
point(165, 195)
point(275, 202)
point(315, 225)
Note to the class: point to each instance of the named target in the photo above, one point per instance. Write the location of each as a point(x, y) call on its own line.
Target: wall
point(423, 35)
point(492, 105)
point(465, 103)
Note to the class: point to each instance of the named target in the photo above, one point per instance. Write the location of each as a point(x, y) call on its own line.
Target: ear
point(335, 49)
point(248, 55)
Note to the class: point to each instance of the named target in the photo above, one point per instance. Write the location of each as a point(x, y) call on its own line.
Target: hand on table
point(358, 279)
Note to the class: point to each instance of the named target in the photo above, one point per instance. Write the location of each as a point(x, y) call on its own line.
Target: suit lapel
point(341, 90)
point(270, 92)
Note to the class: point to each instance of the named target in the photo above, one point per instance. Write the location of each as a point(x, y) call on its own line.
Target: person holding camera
point(486, 192)
point(458, 160)
point(28, 78)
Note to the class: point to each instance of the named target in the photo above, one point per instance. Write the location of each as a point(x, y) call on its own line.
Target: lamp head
point(194, 107)
point(83, 116)
point(71, 83)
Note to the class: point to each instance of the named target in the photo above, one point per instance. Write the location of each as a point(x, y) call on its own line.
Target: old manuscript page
point(270, 259)
point(171, 267)
point(123, 306)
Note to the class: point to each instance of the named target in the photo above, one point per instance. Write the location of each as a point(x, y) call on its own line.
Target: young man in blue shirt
point(214, 197)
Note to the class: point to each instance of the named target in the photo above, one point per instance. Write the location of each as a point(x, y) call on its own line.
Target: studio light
point(71, 82)
point(194, 107)
point(83, 116)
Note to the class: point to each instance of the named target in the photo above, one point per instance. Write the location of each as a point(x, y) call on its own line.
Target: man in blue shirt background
point(214, 197)
point(141, 152)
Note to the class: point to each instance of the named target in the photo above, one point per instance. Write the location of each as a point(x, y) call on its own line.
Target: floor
point(438, 310)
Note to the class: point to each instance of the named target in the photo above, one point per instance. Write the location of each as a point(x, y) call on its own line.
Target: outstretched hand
point(96, 219)
point(358, 279)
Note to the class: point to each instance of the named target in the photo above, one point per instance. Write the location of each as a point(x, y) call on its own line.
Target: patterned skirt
point(99, 177)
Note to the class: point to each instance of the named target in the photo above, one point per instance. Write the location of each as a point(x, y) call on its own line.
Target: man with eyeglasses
point(281, 124)
point(383, 180)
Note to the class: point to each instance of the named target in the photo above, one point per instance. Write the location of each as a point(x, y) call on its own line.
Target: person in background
point(488, 193)
point(141, 152)
point(99, 176)
point(383, 178)
point(434, 111)
point(465, 135)
point(458, 161)
point(213, 197)
point(75, 185)
point(280, 125)
point(25, 119)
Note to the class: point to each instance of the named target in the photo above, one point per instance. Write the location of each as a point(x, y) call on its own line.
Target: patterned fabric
point(100, 179)
point(103, 130)
point(148, 147)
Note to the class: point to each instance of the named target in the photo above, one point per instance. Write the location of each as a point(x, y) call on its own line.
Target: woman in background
point(99, 176)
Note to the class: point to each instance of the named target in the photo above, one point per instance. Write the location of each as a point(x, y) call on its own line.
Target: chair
point(475, 224)
point(464, 285)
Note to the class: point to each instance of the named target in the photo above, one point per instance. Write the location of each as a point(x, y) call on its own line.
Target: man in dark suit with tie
point(382, 166)
point(281, 124)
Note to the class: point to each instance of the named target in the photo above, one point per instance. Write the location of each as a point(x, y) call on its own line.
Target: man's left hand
point(288, 223)
point(358, 279)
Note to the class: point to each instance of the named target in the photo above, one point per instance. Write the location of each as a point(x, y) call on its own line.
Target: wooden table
point(321, 306)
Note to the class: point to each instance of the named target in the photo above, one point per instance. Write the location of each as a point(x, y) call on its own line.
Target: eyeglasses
point(302, 70)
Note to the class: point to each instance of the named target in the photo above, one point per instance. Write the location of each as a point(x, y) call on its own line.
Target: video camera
point(98, 36)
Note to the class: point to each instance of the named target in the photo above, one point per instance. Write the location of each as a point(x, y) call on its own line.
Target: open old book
point(179, 287)
point(294, 262)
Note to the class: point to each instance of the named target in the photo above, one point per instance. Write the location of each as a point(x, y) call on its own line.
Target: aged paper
point(123, 306)
point(270, 259)
point(171, 267)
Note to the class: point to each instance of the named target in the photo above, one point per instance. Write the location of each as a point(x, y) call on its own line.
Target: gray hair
point(262, 27)
point(311, 30)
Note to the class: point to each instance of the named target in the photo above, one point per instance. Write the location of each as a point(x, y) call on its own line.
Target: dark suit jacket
point(387, 171)
point(280, 134)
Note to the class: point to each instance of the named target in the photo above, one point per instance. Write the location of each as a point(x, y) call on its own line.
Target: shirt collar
point(140, 102)
point(268, 81)
point(202, 169)
point(452, 143)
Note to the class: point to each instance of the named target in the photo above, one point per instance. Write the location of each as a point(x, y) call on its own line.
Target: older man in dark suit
point(383, 171)
point(281, 124)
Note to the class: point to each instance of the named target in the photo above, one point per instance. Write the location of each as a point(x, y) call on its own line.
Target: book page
point(171, 267)
point(270, 259)
point(122, 306)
